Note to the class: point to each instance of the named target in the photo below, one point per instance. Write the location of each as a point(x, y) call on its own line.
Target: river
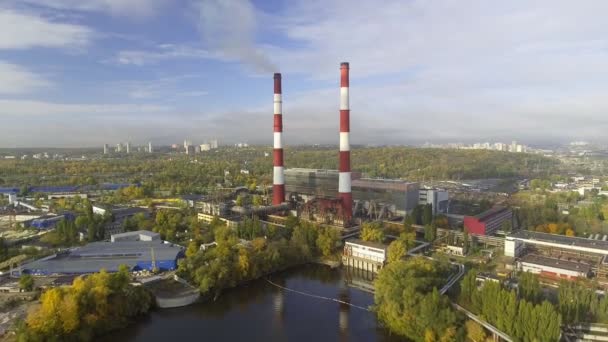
point(260, 311)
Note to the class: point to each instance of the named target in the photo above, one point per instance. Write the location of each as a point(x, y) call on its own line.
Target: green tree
point(326, 240)
point(372, 232)
point(26, 282)
point(427, 214)
point(408, 289)
point(396, 251)
point(529, 287)
point(475, 331)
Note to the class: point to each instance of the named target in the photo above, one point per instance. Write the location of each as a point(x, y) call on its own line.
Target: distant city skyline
point(86, 73)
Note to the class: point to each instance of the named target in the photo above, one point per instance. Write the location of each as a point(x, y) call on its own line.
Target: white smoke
point(228, 28)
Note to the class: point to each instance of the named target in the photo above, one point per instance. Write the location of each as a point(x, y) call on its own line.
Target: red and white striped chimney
point(344, 187)
point(278, 183)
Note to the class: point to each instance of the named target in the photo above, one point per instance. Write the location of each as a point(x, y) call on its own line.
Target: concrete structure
point(551, 241)
point(513, 248)
point(403, 195)
point(137, 255)
point(106, 149)
point(366, 255)
point(313, 182)
point(553, 268)
point(278, 179)
point(118, 148)
point(437, 198)
point(344, 182)
point(140, 235)
point(128, 147)
point(214, 144)
point(119, 216)
point(317, 183)
point(205, 147)
point(150, 150)
point(488, 222)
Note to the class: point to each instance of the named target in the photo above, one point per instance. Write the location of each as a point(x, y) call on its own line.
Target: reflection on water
point(359, 278)
point(259, 311)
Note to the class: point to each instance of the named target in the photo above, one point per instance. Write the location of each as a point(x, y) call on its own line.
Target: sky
point(87, 72)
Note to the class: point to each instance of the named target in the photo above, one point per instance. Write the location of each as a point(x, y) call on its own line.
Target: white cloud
point(23, 31)
point(141, 8)
point(229, 29)
point(42, 108)
point(15, 79)
point(161, 53)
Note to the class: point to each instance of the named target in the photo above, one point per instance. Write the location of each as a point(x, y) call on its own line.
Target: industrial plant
point(341, 198)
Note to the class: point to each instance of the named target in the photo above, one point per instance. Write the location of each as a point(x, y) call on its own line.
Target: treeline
point(233, 262)
point(565, 213)
point(524, 318)
point(93, 305)
point(181, 174)
point(408, 303)
point(579, 304)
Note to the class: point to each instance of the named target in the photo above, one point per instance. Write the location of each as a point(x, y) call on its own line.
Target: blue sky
point(88, 72)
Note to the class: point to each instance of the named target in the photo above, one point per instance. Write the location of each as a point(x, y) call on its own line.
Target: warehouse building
point(515, 243)
point(488, 222)
point(137, 255)
point(554, 268)
point(47, 222)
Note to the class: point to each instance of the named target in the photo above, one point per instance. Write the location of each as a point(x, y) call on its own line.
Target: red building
point(488, 222)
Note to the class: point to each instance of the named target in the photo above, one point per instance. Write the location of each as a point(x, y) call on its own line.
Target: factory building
point(308, 183)
point(119, 215)
point(516, 243)
point(488, 222)
point(401, 194)
point(47, 222)
point(136, 254)
point(312, 183)
point(553, 267)
point(140, 235)
point(437, 198)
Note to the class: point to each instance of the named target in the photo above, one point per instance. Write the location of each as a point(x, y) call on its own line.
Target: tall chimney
point(345, 177)
point(278, 184)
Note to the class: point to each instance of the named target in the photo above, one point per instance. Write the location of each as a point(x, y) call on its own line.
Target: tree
point(408, 221)
point(475, 331)
point(408, 289)
point(326, 241)
point(257, 200)
point(26, 282)
point(427, 214)
point(396, 251)
point(372, 232)
point(193, 248)
point(529, 287)
point(430, 232)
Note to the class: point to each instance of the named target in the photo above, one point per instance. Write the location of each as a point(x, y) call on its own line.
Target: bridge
point(495, 332)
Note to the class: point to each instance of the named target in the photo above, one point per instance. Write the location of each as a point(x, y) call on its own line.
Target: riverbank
point(262, 311)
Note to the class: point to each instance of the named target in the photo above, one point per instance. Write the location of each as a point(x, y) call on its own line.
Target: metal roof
point(568, 241)
point(107, 255)
point(556, 263)
point(367, 243)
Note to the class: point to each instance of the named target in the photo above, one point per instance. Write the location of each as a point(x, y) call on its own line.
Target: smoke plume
point(228, 28)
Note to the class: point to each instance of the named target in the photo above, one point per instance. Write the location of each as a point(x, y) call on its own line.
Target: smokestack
point(345, 178)
point(278, 184)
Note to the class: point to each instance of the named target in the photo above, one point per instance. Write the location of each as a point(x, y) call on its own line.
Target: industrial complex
point(140, 250)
